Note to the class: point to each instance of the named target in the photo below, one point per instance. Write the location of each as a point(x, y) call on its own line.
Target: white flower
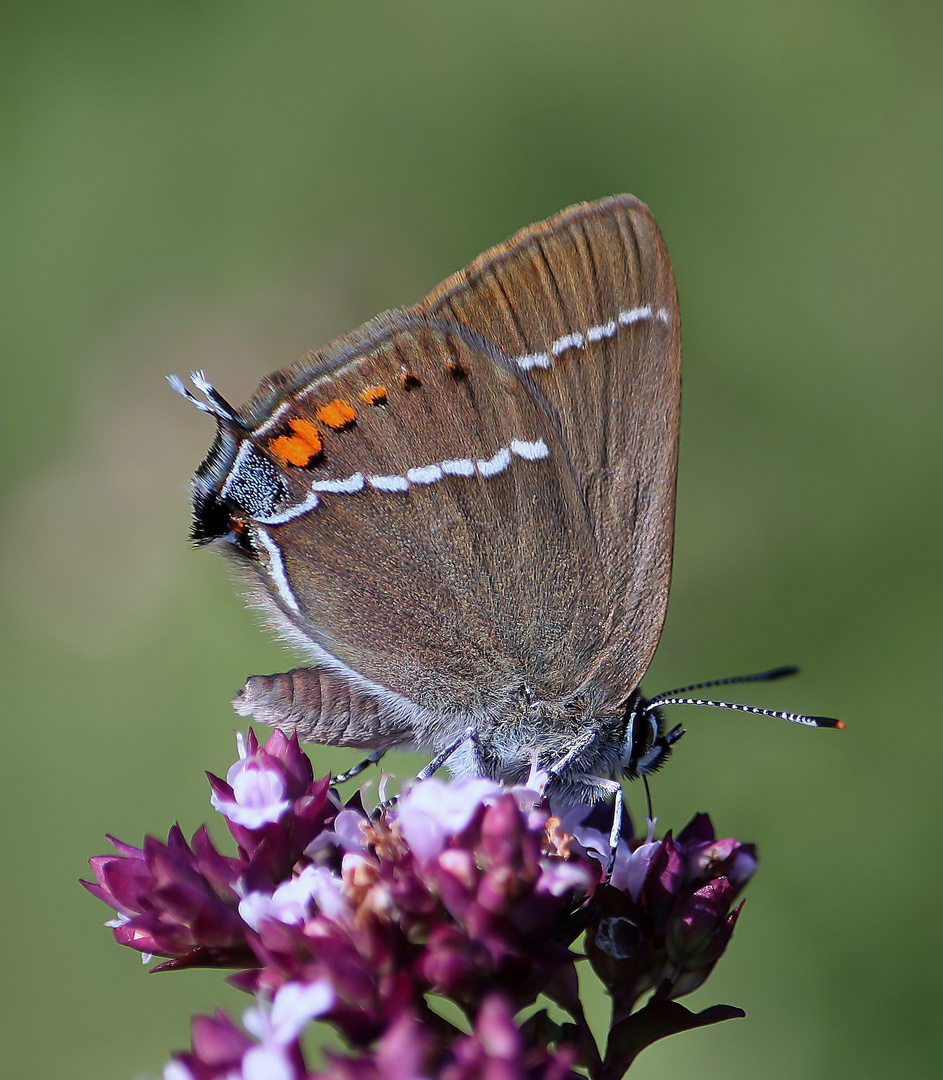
point(558, 877)
point(347, 834)
point(290, 902)
point(258, 793)
point(294, 1005)
point(631, 867)
point(265, 1063)
point(430, 812)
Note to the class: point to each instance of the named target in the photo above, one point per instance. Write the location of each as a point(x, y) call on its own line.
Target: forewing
point(449, 556)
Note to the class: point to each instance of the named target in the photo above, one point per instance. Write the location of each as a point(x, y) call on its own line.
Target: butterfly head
point(647, 745)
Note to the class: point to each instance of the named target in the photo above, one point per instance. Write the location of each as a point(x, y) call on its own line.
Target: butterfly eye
point(211, 520)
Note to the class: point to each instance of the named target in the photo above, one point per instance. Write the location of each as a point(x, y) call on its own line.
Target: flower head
point(430, 812)
point(666, 918)
point(469, 891)
point(221, 1050)
point(174, 899)
point(188, 902)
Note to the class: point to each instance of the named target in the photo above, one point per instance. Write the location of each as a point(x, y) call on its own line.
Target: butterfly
point(462, 513)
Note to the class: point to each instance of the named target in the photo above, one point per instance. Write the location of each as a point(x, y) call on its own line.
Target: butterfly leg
point(357, 769)
point(443, 756)
point(437, 762)
point(609, 788)
point(614, 788)
point(563, 763)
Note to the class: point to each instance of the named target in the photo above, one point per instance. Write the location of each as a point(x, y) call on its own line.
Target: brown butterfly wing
point(551, 570)
point(439, 592)
point(614, 400)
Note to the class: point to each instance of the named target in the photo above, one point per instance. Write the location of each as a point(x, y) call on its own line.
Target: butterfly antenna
point(762, 676)
point(793, 718)
point(215, 404)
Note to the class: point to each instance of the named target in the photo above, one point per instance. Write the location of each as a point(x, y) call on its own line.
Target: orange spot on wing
point(291, 450)
point(304, 429)
point(336, 414)
point(374, 395)
point(301, 448)
point(409, 380)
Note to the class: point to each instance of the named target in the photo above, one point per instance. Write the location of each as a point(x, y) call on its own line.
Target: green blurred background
point(227, 184)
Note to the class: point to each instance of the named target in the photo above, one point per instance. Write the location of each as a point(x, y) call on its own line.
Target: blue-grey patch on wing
point(254, 483)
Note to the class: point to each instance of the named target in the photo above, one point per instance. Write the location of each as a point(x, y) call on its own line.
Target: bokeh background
point(225, 184)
